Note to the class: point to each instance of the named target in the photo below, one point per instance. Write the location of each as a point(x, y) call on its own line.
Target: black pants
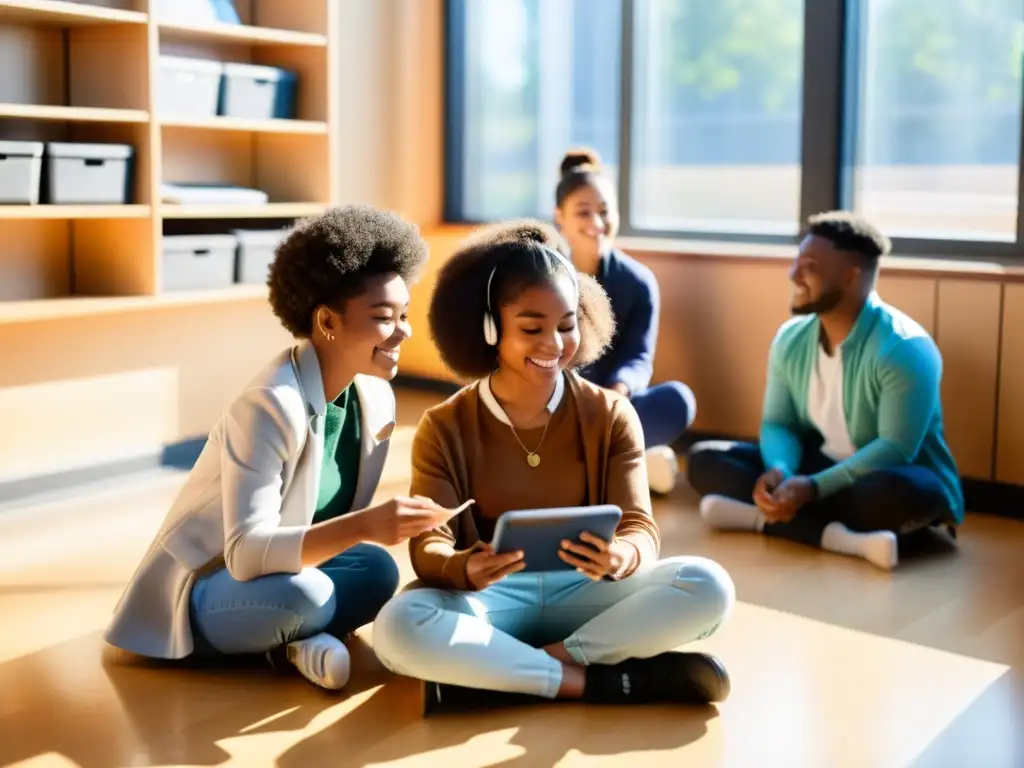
point(903, 500)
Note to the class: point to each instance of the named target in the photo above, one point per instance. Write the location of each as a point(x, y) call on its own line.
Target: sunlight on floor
point(806, 692)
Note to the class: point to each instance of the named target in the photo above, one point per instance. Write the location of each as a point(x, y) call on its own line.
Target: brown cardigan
point(449, 433)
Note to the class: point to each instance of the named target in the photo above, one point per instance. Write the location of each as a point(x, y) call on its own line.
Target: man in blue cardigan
point(852, 453)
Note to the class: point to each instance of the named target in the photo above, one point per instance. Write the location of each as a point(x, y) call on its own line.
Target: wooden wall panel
point(1010, 429)
point(390, 143)
point(91, 390)
point(968, 336)
point(914, 296)
point(717, 323)
point(419, 355)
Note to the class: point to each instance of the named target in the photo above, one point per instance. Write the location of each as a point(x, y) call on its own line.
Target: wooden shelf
point(74, 211)
point(241, 33)
point(110, 255)
point(236, 124)
point(268, 211)
point(61, 13)
point(73, 114)
point(37, 310)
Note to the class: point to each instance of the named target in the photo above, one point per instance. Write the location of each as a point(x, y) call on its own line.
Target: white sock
point(727, 514)
point(877, 547)
point(662, 469)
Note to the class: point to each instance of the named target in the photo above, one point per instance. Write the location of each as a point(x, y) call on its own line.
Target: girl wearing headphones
point(510, 311)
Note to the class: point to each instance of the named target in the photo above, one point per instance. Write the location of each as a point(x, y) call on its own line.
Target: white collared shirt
point(499, 413)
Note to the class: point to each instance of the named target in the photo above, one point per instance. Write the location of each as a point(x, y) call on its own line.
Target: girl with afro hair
point(270, 546)
point(510, 312)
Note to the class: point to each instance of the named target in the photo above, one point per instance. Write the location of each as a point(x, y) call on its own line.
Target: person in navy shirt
point(586, 212)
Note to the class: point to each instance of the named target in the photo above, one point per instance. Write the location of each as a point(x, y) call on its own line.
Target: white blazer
point(249, 499)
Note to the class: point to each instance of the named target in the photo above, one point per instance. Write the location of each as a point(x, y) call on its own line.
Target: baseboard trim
point(986, 497)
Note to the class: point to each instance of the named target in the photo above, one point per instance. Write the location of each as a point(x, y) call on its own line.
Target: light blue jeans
point(338, 597)
point(491, 639)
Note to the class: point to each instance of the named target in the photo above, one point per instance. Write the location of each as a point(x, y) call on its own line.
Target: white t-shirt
point(825, 405)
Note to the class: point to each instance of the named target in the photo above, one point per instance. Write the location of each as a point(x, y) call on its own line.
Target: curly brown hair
point(327, 260)
point(523, 251)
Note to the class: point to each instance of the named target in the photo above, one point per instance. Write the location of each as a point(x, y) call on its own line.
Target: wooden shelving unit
point(88, 71)
point(248, 34)
point(66, 13)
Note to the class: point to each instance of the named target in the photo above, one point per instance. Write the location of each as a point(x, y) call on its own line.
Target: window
point(739, 118)
point(717, 92)
point(937, 134)
point(529, 79)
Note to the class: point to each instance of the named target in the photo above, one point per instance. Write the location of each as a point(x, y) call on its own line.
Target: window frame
point(830, 103)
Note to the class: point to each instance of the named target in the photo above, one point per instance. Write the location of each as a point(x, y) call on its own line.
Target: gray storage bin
point(77, 174)
point(189, 87)
point(256, 92)
point(197, 262)
point(256, 249)
point(21, 167)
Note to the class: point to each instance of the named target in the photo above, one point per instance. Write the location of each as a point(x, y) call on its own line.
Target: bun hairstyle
point(580, 167)
point(579, 160)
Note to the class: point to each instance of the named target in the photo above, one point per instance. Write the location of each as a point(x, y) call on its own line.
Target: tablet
point(538, 533)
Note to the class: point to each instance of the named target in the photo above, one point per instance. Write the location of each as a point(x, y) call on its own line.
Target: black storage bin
point(197, 262)
point(21, 165)
point(255, 92)
point(256, 249)
point(84, 174)
point(189, 87)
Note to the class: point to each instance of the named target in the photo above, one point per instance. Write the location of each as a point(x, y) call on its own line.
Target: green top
point(340, 470)
point(892, 373)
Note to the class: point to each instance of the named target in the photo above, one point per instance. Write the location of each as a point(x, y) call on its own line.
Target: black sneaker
point(682, 678)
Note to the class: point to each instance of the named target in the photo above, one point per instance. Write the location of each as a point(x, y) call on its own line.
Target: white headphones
point(491, 325)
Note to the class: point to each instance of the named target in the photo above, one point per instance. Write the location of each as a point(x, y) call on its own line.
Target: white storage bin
point(256, 249)
point(88, 174)
point(21, 166)
point(197, 262)
point(255, 92)
point(189, 87)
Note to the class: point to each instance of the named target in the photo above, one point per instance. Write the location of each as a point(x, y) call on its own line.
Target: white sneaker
point(322, 659)
point(662, 468)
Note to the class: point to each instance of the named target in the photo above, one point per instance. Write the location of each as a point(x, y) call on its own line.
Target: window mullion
point(824, 86)
point(626, 107)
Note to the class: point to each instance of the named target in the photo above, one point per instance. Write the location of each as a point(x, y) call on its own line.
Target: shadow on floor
point(99, 707)
point(520, 737)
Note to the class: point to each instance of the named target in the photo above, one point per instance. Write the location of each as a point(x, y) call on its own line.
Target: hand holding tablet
point(559, 539)
point(485, 566)
point(595, 557)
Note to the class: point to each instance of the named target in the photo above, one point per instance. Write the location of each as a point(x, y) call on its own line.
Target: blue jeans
point(492, 639)
point(338, 597)
point(666, 411)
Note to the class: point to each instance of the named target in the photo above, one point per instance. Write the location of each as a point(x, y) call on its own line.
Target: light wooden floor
point(833, 663)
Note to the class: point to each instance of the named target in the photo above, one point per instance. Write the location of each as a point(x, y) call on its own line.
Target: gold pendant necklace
point(532, 457)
